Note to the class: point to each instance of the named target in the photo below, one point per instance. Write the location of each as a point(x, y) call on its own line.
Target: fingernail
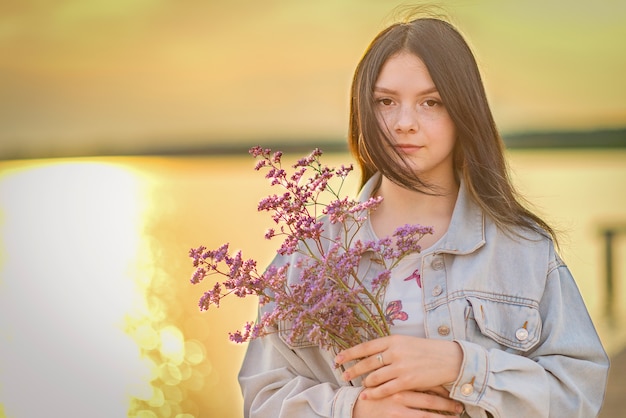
point(460, 409)
point(363, 396)
point(338, 359)
point(346, 376)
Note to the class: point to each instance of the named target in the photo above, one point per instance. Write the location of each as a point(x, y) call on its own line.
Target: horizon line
point(604, 138)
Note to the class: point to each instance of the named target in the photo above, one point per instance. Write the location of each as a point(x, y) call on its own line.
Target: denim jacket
point(530, 348)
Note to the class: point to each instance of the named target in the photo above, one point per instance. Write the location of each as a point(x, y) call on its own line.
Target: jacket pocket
point(513, 325)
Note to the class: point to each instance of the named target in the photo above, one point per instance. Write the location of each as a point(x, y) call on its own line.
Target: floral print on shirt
point(415, 276)
point(394, 311)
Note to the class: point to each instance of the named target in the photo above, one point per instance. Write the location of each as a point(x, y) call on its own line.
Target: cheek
point(385, 120)
point(447, 130)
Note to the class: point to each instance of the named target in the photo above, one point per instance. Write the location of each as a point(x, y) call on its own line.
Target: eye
point(385, 101)
point(431, 103)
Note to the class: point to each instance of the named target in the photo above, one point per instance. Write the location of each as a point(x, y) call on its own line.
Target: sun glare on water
point(73, 321)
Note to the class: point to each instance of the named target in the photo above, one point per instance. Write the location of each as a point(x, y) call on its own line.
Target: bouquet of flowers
point(330, 304)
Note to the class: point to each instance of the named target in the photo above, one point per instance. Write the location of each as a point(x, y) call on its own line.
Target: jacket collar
point(466, 232)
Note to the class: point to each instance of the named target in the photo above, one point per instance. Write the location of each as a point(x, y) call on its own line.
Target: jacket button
point(521, 334)
point(437, 263)
point(467, 389)
point(437, 290)
point(443, 330)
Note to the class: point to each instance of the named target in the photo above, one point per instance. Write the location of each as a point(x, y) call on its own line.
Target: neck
point(399, 198)
point(402, 206)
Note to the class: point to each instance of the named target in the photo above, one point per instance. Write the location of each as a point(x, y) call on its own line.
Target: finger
point(431, 402)
point(367, 365)
point(381, 384)
point(361, 351)
point(426, 402)
point(386, 381)
point(440, 391)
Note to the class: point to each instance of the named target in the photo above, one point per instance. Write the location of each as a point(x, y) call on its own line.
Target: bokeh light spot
point(172, 344)
point(195, 352)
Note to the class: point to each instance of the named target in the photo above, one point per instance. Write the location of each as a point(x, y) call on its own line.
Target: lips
point(408, 147)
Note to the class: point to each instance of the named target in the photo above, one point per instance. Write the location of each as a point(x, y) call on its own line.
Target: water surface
point(98, 318)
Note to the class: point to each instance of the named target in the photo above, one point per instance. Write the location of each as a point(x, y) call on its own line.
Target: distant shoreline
point(596, 139)
point(606, 138)
point(602, 138)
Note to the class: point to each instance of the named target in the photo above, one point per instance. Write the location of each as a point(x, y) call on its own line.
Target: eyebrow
point(429, 90)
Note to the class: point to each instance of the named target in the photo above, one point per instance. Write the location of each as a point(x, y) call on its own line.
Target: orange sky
point(78, 76)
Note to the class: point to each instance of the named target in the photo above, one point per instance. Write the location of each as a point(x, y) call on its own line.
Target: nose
point(406, 121)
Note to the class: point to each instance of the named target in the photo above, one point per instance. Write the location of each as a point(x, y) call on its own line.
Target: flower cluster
point(329, 303)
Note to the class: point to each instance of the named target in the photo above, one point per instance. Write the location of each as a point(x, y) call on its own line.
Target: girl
point(494, 325)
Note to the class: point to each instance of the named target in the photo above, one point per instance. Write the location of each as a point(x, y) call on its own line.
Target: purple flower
point(330, 304)
point(198, 275)
point(381, 280)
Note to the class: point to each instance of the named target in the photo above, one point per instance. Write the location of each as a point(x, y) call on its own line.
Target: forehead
point(404, 69)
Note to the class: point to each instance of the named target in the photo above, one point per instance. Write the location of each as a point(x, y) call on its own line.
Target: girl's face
point(410, 109)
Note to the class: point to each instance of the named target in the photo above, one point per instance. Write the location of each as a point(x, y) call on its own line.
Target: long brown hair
point(479, 150)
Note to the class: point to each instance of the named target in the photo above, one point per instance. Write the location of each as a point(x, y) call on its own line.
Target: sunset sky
point(89, 76)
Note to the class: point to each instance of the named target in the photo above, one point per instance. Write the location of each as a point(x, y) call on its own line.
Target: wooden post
point(609, 231)
point(608, 266)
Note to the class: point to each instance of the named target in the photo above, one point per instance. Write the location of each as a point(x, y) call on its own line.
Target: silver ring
point(379, 357)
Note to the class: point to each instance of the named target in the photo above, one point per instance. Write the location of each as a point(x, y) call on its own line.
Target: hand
point(410, 405)
point(399, 363)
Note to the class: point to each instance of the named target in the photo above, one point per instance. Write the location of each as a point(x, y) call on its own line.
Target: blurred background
point(124, 129)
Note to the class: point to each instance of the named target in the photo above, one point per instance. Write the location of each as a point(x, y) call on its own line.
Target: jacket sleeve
point(277, 382)
point(564, 375)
